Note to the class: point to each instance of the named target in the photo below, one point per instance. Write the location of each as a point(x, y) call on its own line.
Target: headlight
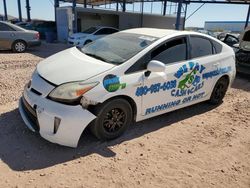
point(71, 92)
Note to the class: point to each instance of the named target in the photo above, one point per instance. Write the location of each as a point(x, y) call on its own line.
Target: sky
point(43, 9)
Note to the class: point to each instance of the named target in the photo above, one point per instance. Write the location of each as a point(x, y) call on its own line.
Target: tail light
point(37, 36)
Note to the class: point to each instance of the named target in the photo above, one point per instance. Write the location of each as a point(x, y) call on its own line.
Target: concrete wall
point(64, 23)
point(87, 17)
point(95, 19)
point(163, 22)
point(126, 19)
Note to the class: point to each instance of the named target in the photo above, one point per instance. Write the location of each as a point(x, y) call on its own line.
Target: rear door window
point(101, 32)
point(4, 27)
point(106, 31)
point(111, 31)
point(200, 47)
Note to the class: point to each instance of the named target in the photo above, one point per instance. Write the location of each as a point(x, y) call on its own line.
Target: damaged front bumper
point(56, 122)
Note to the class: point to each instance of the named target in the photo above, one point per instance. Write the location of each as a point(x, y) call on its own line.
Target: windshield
point(90, 30)
point(118, 48)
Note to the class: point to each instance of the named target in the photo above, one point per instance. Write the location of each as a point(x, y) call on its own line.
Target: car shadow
point(242, 82)
point(23, 150)
point(47, 49)
point(43, 51)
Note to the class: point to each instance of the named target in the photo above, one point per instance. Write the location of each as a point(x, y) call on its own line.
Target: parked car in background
point(16, 38)
point(243, 55)
point(22, 24)
point(89, 35)
point(128, 76)
point(245, 40)
point(41, 26)
point(231, 39)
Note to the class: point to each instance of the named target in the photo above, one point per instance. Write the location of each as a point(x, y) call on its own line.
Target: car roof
point(16, 27)
point(159, 33)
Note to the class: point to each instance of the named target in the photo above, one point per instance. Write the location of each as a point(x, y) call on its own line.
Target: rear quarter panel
point(25, 35)
point(226, 66)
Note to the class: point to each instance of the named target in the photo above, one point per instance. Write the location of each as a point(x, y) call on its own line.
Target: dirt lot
point(199, 146)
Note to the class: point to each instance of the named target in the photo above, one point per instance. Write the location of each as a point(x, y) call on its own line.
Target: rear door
point(203, 53)
point(7, 36)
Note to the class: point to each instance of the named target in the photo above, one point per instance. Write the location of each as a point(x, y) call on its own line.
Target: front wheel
point(219, 91)
point(113, 118)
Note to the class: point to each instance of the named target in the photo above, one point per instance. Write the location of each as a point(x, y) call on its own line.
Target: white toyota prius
point(128, 76)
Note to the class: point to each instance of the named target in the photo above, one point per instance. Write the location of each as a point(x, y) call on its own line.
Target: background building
point(88, 17)
point(234, 26)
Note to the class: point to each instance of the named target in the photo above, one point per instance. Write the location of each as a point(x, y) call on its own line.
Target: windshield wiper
point(96, 56)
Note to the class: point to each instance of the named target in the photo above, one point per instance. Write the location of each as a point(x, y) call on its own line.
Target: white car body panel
point(68, 65)
point(72, 65)
point(79, 39)
point(69, 131)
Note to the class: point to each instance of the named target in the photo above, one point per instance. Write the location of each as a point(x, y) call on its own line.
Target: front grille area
point(30, 114)
point(35, 91)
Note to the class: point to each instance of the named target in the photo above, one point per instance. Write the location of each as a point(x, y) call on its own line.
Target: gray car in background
point(16, 38)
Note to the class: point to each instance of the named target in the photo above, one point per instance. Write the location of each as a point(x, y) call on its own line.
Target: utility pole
point(28, 10)
point(19, 10)
point(85, 3)
point(248, 15)
point(124, 6)
point(5, 10)
point(178, 18)
point(164, 7)
point(56, 5)
point(142, 10)
point(74, 15)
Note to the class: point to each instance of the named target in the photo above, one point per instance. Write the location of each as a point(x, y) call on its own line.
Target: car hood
point(245, 45)
point(77, 35)
point(71, 65)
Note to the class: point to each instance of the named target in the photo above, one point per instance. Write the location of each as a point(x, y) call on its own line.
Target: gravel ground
point(199, 146)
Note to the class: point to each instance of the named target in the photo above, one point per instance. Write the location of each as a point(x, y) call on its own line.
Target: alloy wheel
point(114, 120)
point(20, 46)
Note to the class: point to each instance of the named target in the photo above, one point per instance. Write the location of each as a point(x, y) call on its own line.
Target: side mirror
point(156, 66)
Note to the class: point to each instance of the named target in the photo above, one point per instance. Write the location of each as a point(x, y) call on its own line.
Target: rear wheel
point(113, 118)
point(219, 91)
point(19, 46)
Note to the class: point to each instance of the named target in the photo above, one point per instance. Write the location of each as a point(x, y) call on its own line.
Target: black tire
point(113, 119)
point(87, 41)
point(19, 46)
point(219, 91)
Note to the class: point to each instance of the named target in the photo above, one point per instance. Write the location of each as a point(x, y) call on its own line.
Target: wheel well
point(225, 77)
point(88, 40)
point(125, 97)
point(19, 40)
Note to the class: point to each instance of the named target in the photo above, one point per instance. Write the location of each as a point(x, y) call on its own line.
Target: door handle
point(216, 64)
point(137, 84)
